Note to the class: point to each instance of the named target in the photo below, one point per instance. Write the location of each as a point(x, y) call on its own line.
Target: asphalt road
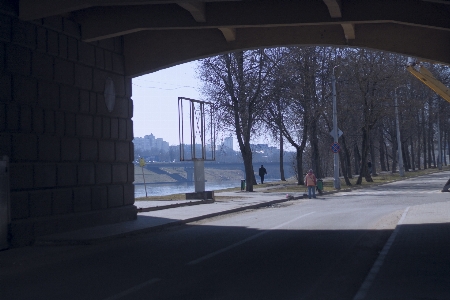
point(375, 243)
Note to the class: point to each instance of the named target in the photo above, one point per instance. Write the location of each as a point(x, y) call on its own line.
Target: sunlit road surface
point(388, 242)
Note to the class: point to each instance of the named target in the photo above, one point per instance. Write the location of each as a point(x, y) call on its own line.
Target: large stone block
point(86, 174)
point(5, 88)
point(41, 39)
point(24, 34)
point(49, 148)
point(24, 147)
point(130, 173)
point(18, 59)
point(19, 205)
point(42, 66)
point(71, 28)
point(63, 46)
point(25, 90)
point(40, 203)
point(115, 195)
point(108, 61)
point(44, 175)
point(72, 49)
point(83, 77)
point(129, 89)
point(52, 42)
point(53, 22)
point(2, 56)
point(122, 129)
point(60, 123)
point(69, 100)
point(107, 44)
point(99, 196)
point(118, 45)
point(84, 101)
point(118, 63)
point(99, 58)
point(98, 127)
point(64, 71)
point(48, 94)
point(38, 120)
point(128, 191)
point(85, 125)
point(62, 201)
point(119, 173)
point(114, 128)
point(93, 103)
point(5, 28)
point(121, 108)
point(100, 77)
point(89, 150)
point(103, 174)
point(86, 53)
point(5, 144)
point(12, 117)
point(26, 119)
point(106, 128)
point(21, 176)
point(67, 174)
point(70, 149)
point(106, 151)
point(70, 124)
point(2, 117)
point(130, 130)
point(49, 122)
point(82, 199)
point(123, 151)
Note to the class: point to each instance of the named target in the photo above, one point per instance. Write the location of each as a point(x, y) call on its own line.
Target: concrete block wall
point(70, 157)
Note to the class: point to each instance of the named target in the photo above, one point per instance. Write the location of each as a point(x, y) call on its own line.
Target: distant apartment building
point(149, 142)
point(227, 143)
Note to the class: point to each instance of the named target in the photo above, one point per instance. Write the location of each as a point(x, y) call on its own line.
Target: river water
point(162, 189)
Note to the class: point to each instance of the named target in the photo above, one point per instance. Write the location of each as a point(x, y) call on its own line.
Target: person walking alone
point(262, 172)
point(310, 182)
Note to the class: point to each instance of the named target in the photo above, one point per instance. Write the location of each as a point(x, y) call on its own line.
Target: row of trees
point(286, 93)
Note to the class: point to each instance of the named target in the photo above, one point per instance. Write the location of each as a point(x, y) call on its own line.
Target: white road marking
point(133, 289)
point(196, 261)
point(361, 294)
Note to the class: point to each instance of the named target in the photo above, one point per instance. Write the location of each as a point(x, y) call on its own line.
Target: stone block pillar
point(65, 123)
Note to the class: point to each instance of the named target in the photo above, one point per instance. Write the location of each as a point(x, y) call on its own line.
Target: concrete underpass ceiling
point(159, 34)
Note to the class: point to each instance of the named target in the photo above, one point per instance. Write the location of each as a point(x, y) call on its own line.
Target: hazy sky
point(155, 99)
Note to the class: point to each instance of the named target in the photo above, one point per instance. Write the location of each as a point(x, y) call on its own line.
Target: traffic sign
point(141, 162)
point(338, 131)
point(335, 147)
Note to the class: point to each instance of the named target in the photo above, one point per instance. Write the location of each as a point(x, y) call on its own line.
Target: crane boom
point(428, 79)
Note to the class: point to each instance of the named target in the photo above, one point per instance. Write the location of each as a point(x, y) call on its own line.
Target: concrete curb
point(190, 203)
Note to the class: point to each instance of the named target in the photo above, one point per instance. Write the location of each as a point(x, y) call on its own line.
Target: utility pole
point(337, 181)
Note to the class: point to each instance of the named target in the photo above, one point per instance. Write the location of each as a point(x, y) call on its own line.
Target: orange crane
point(428, 79)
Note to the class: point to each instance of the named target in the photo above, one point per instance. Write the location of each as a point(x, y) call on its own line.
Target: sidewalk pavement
point(155, 215)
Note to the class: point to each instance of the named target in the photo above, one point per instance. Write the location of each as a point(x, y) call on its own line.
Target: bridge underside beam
point(179, 46)
point(96, 22)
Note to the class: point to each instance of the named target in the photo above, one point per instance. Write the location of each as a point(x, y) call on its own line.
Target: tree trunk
point(372, 156)
point(413, 159)
point(347, 157)
point(365, 151)
point(282, 158)
point(299, 158)
point(357, 156)
point(315, 157)
point(382, 154)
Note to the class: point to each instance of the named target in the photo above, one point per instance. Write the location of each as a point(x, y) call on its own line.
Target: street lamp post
point(401, 170)
point(337, 181)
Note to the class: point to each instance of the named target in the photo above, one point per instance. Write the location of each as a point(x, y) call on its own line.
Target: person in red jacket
point(310, 182)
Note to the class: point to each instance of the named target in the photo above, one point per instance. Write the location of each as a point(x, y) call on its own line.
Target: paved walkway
point(169, 213)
